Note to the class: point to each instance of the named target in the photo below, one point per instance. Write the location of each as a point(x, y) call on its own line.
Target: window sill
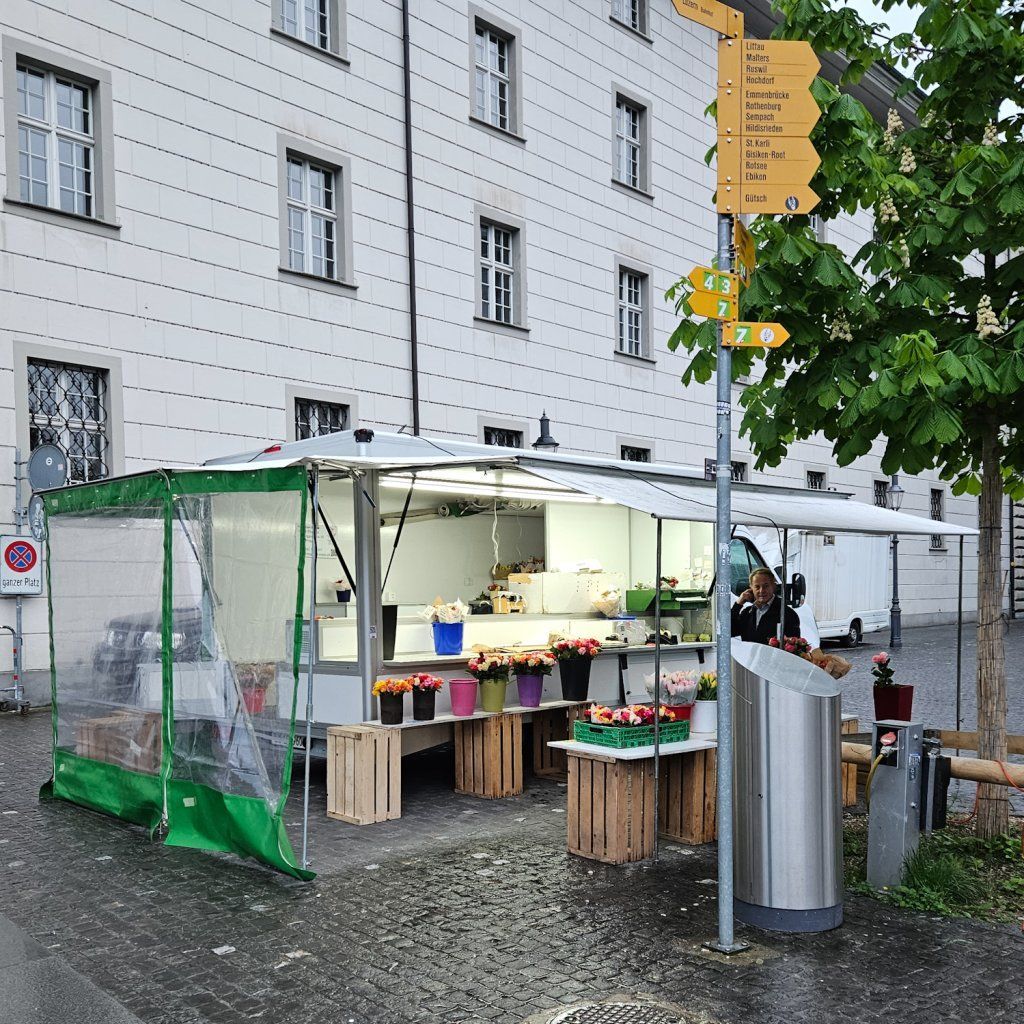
point(635, 32)
point(645, 362)
point(938, 551)
point(515, 330)
point(501, 133)
point(328, 56)
point(639, 193)
point(51, 215)
point(324, 284)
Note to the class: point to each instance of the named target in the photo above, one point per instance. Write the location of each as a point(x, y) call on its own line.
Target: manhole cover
point(617, 1013)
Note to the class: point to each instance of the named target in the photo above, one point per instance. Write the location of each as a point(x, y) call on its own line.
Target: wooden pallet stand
point(489, 756)
point(553, 724)
point(611, 808)
point(688, 787)
point(364, 774)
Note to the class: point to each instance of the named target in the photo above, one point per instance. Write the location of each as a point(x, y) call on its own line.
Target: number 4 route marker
point(753, 335)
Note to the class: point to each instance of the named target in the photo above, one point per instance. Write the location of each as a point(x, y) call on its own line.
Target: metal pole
point(959, 632)
point(311, 660)
point(19, 637)
point(725, 942)
point(657, 679)
point(895, 614)
point(785, 589)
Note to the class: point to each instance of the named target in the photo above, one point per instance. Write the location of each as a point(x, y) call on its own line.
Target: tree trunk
point(993, 802)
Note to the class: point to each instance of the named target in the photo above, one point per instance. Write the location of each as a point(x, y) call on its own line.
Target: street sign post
point(21, 567)
point(714, 307)
point(719, 282)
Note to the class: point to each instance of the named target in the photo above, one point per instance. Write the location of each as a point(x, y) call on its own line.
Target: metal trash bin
point(787, 793)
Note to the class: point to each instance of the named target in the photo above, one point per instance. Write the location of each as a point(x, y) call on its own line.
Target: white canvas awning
point(694, 500)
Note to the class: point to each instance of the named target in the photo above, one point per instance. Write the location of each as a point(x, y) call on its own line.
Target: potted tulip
point(530, 669)
point(574, 660)
point(424, 694)
point(492, 672)
point(893, 701)
point(704, 717)
point(390, 693)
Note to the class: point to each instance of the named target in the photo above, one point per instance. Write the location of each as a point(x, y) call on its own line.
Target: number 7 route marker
point(753, 335)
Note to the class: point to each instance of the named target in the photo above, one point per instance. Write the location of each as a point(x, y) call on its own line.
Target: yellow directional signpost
point(715, 307)
point(751, 335)
point(704, 279)
point(746, 253)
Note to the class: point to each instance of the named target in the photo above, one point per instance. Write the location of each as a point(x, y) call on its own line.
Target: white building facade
point(204, 240)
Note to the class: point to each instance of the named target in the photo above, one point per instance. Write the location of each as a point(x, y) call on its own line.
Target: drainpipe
point(410, 207)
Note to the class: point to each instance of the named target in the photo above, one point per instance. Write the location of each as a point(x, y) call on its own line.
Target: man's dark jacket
point(746, 626)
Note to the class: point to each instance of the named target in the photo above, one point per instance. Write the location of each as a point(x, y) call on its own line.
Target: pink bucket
point(463, 696)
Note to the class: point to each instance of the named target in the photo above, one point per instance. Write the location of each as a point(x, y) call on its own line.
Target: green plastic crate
point(622, 737)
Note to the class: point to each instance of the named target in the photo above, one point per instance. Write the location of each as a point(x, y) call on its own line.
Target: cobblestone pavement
point(462, 910)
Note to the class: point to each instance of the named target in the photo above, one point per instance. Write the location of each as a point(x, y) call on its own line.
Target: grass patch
point(952, 873)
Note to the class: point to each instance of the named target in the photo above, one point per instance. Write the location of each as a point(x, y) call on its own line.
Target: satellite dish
point(47, 467)
point(37, 517)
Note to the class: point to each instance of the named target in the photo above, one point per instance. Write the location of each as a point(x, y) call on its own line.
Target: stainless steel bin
point(787, 793)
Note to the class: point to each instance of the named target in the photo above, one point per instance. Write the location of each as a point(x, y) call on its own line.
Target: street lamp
point(545, 443)
point(894, 499)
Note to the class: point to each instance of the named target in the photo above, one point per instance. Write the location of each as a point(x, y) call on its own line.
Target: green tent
point(175, 630)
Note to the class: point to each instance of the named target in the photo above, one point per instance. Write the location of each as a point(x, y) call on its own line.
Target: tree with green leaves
point(917, 339)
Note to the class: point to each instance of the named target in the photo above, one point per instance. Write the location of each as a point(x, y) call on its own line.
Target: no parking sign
point(21, 567)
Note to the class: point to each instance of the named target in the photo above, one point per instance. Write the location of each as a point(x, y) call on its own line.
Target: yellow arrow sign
point(711, 14)
point(766, 199)
point(767, 112)
point(715, 307)
point(746, 253)
point(753, 159)
point(718, 282)
point(790, 58)
point(753, 335)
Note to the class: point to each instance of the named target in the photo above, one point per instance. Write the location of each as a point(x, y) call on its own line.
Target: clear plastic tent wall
point(175, 626)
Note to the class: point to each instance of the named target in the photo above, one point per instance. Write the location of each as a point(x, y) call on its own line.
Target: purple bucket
point(530, 689)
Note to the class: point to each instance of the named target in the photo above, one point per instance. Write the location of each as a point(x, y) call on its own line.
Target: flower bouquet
point(424, 694)
point(574, 660)
point(530, 668)
point(630, 726)
point(447, 620)
point(678, 691)
point(793, 645)
point(893, 701)
point(491, 670)
point(389, 693)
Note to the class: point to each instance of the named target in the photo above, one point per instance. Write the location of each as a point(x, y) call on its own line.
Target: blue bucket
point(448, 637)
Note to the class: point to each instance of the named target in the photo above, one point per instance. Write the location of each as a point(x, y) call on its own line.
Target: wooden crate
point(688, 797)
point(849, 771)
point(489, 756)
point(550, 724)
point(364, 774)
point(610, 808)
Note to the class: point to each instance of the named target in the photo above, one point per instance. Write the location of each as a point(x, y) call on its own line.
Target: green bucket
point(492, 694)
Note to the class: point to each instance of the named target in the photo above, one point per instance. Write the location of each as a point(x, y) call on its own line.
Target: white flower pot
point(704, 717)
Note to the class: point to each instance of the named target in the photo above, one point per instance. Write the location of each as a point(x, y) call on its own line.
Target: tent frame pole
point(785, 587)
point(657, 683)
point(311, 660)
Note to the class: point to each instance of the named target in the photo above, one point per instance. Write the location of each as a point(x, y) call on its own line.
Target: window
point(631, 13)
point(503, 437)
point(67, 406)
point(631, 163)
point(57, 116)
point(316, 24)
point(632, 453)
point(316, 212)
point(937, 542)
point(817, 226)
point(882, 493)
point(315, 418)
point(815, 480)
point(496, 87)
point(631, 312)
point(500, 271)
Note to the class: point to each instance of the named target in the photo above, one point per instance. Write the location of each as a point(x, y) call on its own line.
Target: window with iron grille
point(308, 20)
point(938, 542)
point(882, 493)
point(314, 418)
point(68, 407)
point(632, 13)
point(815, 480)
point(631, 453)
point(55, 141)
point(503, 437)
point(497, 273)
point(739, 472)
point(631, 311)
point(629, 143)
point(312, 218)
point(493, 78)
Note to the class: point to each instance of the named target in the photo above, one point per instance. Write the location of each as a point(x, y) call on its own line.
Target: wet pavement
point(462, 910)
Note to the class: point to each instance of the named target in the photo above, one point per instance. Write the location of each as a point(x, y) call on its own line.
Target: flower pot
point(530, 689)
point(254, 700)
point(463, 696)
point(575, 676)
point(423, 704)
point(893, 703)
point(704, 717)
point(391, 709)
point(448, 637)
point(681, 711)
point(492, 694)
point(343, 596)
